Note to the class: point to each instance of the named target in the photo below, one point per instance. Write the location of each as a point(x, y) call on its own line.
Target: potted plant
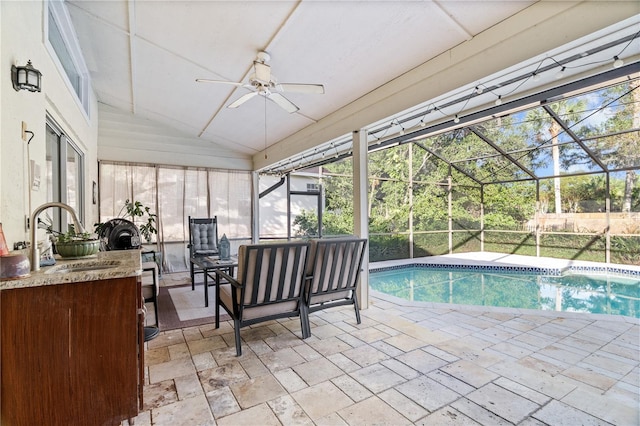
point(71, 243)
point(136, 212)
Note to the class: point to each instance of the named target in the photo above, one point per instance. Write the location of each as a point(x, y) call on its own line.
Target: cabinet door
point(70, 353)
point(104, 347)
point(35, 354)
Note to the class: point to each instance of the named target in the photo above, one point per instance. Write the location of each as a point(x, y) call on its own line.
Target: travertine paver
point(321, 400)
point(290, 380)
point(403, 405)
point(156, 356)
point(400, 368)
point(557, 413)
point(421, 361)
point(170, 369)
point(329, 346)
point(221, 376)
point(377, 378)
point(421, 364)
point(427, 392)
point(188, 386)
point(289, 412)
point(192, 411)
point(365, 355)
point(344, 363)
point(370, 334)
point(317, 371)
point(254, 367)
point(554, 386)
point(372, 408)
point(262, 412)
point(181, 350)
point(469, 373)
point(256, 391)
point(205, 345)
point(204, 361)
point(352, 388)
point(478, 413)
point(448, 416)
point(607, 407)
point(404, 343)
point(159, 394)
point(222, 402)
point(281, 359)
point(503, 402)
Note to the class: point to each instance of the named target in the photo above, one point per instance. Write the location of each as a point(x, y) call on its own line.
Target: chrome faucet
point(33, 223)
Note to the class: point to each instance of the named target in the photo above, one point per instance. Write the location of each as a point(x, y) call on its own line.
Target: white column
point(360, 215)
point(255, 207)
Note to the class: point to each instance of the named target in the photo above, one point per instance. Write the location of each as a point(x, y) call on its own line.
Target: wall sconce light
point(26, 77)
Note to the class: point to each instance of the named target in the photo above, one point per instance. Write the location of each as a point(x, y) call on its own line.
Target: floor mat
point(180, 307)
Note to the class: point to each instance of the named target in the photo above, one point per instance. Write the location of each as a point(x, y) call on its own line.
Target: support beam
point(360, 215)
point(255, 207)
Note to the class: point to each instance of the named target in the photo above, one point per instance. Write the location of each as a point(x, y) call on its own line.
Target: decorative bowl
point(14, 266)
point(78, 248)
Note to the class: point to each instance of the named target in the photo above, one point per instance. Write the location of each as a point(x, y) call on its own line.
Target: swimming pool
point(569, 292)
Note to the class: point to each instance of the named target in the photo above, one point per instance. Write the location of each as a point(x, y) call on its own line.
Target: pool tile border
point(518, 269)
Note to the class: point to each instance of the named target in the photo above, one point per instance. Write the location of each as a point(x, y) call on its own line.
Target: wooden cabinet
point(71, 353)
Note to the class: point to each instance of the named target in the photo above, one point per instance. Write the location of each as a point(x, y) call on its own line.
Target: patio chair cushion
point(333, 274)
point(329, 269)
point(257, 311)
point(204, 239)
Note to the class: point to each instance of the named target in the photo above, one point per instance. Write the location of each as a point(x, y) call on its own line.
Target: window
point(65, 175)
point(64, 48)
point(174, 194)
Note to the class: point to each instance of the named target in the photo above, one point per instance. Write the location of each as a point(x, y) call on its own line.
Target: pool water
point(600, 294)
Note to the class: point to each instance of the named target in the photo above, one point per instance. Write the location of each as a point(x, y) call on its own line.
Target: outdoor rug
point(180, 307)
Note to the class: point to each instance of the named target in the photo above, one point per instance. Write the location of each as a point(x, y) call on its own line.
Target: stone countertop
point(104, 265)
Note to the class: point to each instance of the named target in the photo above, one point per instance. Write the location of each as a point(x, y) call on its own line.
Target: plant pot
point(78, 248)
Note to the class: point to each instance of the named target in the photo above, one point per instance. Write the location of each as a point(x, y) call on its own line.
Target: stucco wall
point(22, 38)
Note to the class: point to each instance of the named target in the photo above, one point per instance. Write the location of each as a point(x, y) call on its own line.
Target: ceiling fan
point(262, 82)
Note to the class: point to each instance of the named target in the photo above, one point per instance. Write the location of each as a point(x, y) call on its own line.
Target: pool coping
point(489, 261)
point(481, 309)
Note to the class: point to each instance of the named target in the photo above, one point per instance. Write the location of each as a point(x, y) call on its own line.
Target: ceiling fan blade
point(206, 80)
point(300, 88)
point(283, 102)
point(242, 99)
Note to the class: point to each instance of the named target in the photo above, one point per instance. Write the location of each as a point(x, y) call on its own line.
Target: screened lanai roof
point(506, 128)
point(594, 124)
point(520, 145)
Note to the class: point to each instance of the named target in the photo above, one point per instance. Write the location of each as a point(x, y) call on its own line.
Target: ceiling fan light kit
point(262, 82)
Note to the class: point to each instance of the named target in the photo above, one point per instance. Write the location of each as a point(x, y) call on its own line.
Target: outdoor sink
point(92, 265)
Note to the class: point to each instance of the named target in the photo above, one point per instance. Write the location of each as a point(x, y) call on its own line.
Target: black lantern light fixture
point(26, 77)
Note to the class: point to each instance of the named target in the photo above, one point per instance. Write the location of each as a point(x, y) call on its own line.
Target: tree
point(548, 131)
point(625, 145)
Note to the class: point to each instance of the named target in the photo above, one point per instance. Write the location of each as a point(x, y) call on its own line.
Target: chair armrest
point(229, 278)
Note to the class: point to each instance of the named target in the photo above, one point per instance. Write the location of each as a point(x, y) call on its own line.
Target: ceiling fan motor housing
point(263, 72)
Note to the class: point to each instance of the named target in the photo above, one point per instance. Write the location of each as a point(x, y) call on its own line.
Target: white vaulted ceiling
point(144, 57)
